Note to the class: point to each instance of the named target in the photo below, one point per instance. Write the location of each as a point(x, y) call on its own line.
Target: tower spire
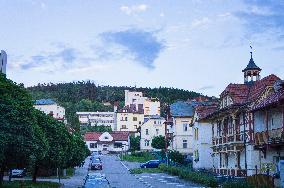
point(252, 71)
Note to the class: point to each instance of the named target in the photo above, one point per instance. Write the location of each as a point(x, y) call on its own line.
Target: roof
point(117, 136)
point(132, 109)
point(243, 93)
point(273, 98)
point(204, 110)
point(181, 109)
point(251, 65)
point(44, 102)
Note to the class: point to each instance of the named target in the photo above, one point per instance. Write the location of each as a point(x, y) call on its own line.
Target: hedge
point(196, 177)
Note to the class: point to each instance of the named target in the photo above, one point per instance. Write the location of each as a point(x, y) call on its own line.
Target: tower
point(3, 61)
point(251, 72)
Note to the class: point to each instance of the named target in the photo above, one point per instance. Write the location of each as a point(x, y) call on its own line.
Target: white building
point(107, 119)
point(151, 106)
point(107, 142)
point(153, 126)
point(3, 61)
point(48, 106)
point(202, 139)
point(182, 114)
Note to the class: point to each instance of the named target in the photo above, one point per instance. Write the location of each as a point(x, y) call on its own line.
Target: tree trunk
point(35, 173)
point(1, 176)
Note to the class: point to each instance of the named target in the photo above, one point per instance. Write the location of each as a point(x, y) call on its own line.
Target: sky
point(195, 45)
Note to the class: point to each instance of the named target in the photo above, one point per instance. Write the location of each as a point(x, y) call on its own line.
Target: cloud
point(134, 9)
point(263, 16)
point(206, 87)
point(62, 57)
point(200, 22)
point(142, 46)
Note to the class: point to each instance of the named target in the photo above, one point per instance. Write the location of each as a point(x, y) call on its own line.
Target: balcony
point(228, 139)
point(274, 136)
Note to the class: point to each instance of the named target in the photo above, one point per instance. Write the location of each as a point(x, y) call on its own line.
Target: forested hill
point(87, 96)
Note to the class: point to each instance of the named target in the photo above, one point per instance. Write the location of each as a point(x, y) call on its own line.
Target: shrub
point(197, 177)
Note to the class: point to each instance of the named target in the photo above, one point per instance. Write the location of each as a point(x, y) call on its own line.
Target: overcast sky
point(192, 44)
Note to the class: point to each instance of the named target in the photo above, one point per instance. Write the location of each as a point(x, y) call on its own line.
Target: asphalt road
point(117, 172)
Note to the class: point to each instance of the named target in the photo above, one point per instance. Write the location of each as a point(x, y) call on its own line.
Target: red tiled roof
point(117, 136)
point(238, 92)
point(204, 111)
point(260, 85)
point(242, 93)
point(270, 100)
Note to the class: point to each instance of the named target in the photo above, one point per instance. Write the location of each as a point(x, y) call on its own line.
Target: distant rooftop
point(44, 102)
point(181, 108)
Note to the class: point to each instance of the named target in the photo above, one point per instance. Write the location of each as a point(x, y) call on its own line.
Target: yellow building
point(182, 114)
point(129, 119)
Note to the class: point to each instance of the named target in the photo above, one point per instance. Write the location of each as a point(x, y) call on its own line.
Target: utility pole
point(166, 134)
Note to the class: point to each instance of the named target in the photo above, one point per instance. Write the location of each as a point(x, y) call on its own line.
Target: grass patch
point(30, 184)
point(140, 157)
point(145, 170)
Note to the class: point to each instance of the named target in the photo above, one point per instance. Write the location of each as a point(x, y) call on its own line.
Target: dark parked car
point(96, 164)
point(97, 183)
point(151, 164)
point(96, 180)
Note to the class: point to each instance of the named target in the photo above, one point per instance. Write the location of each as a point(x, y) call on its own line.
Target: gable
point(106, 137)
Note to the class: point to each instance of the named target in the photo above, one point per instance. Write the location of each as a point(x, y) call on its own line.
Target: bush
point(138, 157)
point(197, 177)
point(145, 170)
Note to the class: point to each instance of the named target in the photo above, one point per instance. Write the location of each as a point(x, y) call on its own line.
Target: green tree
point(158, 142)
point(176, 156)
point(18, 130)
point(134, 143)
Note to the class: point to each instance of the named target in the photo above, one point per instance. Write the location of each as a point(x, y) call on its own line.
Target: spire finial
point(250, 52)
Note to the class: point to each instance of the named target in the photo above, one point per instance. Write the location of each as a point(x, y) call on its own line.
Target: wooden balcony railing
point(230, 139)
point(273, 136)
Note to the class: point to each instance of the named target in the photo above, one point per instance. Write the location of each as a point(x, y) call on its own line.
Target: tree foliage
point(29, 137)
point(176, 156)
point(158, 142)
point(134, 143)
point(87, 96)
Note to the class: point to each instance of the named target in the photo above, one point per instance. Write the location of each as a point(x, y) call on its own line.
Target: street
point(116, 171)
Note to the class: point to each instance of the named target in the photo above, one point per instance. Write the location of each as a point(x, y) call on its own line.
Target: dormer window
point(106, 137)
point(226, 101)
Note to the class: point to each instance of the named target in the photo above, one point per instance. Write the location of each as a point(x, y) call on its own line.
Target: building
point(107, 142)
point(107, 119)
point(48, 106)
point(152, 126)
point(233, 124)
point(3, 61)
point(129, 118)
point(151, 106)
point(182, 136)
point(269, 129)
point(202, 137)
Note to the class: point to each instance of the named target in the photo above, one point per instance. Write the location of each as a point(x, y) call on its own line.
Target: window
point(106, 137)
point(125, 118)
point(157, 131)
point(123, 126)
point(93, 145)
point(184, 143)
point(185, 127)
point(134, 118)
point(147, 132)
point(147, 142)
point(117, 145)
point(155, 122)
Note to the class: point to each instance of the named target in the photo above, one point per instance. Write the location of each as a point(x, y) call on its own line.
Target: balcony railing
point(273, 136)
point(228, 139)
